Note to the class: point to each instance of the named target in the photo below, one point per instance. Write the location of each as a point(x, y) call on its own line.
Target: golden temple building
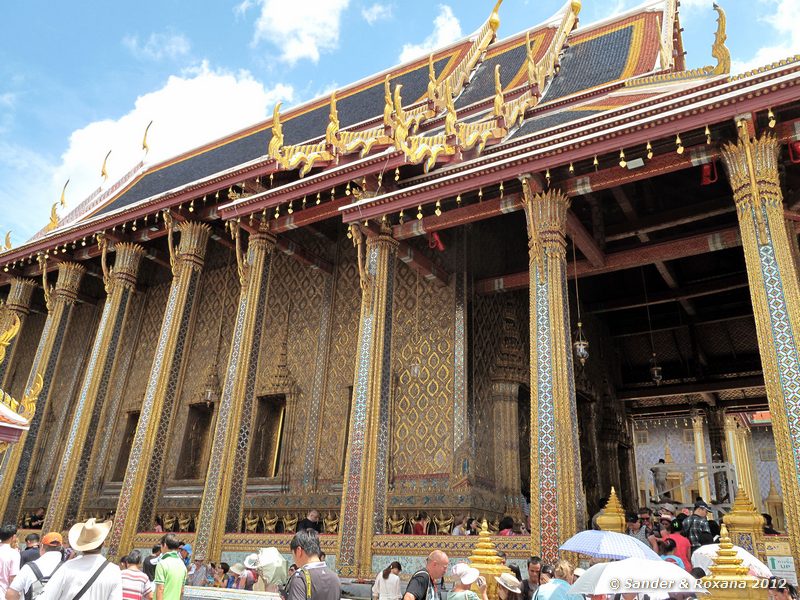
point(460, 287)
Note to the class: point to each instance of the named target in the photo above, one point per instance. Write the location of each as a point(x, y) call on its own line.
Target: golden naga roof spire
point(9, 334)
point(719, 50)
point(332, 131)
point(63, 199)
point(276, 143)
point(104, 168)
point(7, 245)
point(53, 218)
point(494, 18)
point(145, 147)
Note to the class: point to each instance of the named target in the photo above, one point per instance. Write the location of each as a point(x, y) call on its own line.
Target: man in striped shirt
point(135, 584)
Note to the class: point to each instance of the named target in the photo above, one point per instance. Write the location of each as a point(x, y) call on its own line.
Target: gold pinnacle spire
point(485, 559)
point(719, 50)
point(612, 517)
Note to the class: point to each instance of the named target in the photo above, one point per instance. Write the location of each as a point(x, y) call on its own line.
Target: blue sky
point(80, 78)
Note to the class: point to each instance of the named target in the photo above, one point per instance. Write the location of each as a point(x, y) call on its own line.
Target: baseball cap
point(701, 504)
point(53, 539)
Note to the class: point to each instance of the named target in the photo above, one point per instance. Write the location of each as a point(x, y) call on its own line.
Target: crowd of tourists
point(53, 568)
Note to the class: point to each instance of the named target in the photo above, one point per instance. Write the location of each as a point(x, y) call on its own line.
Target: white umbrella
point(636, 575)
point(608, 544)
point(704, 556)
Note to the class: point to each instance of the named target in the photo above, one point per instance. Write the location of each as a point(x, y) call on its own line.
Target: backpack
point(37, 587)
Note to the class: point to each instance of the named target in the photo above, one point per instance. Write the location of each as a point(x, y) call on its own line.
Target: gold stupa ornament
point(744, 518)
point(485, 559)
point(612, 517)
point(729, 577)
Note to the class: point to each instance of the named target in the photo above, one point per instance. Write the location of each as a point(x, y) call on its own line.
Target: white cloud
point(305, 29)
point(785, 43)
point(191, 109)
point(376, 12)
point(446, 29)
point(158, 46)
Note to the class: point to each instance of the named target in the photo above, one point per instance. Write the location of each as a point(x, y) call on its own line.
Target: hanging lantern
point(581, 345)
point(655, 370)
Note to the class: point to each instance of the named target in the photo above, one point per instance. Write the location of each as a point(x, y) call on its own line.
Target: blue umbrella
point(608, 544)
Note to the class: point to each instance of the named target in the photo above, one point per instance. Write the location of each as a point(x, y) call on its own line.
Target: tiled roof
point(615, 49)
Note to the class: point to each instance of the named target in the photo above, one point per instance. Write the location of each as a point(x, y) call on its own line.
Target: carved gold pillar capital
point(20, 294)
point(752, 167)
point(68, 283)
point(193, 244)
point(126, 264)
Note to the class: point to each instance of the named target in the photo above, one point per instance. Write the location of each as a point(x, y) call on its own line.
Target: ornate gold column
point(60, 302)
point(226, 482)
point(18, 303)
point(700, 457)
point(557, 503)
point(736, 434)
point(120, 283)
point(365, 479)
point(752, 166)
point(142, 484)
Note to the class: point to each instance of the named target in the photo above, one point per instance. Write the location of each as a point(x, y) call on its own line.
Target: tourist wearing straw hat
point(90, 576)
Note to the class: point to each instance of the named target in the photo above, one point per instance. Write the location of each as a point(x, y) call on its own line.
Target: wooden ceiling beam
point(686, 389)
point(692, 290)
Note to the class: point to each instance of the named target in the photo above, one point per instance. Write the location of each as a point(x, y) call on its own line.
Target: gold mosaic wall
point(422, 414)
point(211, 334)
point(296, 295)
point(140, 337)
point(341, 366)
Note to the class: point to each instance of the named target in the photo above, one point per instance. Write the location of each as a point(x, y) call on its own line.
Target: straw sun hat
point(508, 581)
point(89, 535)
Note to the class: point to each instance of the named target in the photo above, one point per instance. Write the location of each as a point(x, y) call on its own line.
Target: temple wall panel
point(207, 349)
point(23, 356)
point(142, 337)
point(486, 338)
point(422, 415)
point(65, 388)
point(293, 318)
point(341, 365)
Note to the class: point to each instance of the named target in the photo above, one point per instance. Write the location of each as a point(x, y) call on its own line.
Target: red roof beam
point(628, 259)
point(491, 208)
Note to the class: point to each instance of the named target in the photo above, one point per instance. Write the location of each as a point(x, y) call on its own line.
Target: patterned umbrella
point(608, 544)
point(704, 556)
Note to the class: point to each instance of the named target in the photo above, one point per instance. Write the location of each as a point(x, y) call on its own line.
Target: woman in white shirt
point(387, 584)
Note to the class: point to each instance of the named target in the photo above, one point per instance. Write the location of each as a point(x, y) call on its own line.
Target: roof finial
point(276, 143)
point(431, 80)
point(719, 50)
point(104, 168)
point(145, 147)
point(332, 131)
point(494, 18)
point(63, 199)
